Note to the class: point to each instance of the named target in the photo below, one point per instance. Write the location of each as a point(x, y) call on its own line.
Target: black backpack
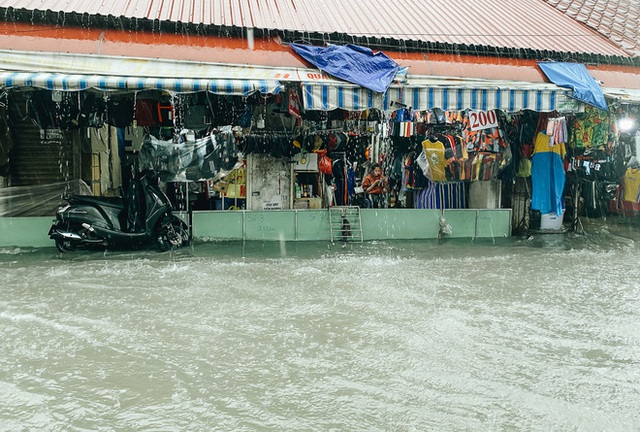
point(93, 110)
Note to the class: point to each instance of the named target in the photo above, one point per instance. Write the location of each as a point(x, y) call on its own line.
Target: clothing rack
point(443, 126)
point(322, 131)
point(261, 132)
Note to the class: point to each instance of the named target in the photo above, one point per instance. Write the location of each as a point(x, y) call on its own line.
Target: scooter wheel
point(162, 244)
point(172, 235)
point(168, 240)
point(64, 245)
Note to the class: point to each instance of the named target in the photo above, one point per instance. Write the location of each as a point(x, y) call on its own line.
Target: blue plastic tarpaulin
point(576, 77)
point(352, 63)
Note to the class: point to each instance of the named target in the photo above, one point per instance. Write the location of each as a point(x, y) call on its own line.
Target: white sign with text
point(479, 120)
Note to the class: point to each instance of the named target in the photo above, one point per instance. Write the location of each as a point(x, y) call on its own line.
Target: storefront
point(259, 152)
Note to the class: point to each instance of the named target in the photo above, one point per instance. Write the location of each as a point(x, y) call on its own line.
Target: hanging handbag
point(324, 162)
point(165, 113)
point(145, 114)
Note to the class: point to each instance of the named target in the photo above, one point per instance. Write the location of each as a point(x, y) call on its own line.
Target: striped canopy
point(510, 97)
point(61, 81)
point(327, 97)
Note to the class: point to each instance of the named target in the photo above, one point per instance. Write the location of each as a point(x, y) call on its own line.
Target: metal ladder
point(345, 223)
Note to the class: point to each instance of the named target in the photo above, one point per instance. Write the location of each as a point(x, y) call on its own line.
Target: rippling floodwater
point(517, 335)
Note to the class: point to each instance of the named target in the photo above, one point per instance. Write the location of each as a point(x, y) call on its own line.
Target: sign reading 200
point(482, 119)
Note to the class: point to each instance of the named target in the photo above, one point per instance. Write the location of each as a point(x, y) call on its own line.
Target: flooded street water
point(539, 334)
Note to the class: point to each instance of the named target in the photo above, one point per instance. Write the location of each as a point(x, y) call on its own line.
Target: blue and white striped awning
point(329, 96)
point(62, 81)
point(506, 99)
point(444, 94)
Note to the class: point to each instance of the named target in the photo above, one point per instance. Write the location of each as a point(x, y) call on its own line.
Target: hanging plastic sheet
point(38, 200)
point(174, 161)
point(184, 160)
point(576, 77)
point(352, 63)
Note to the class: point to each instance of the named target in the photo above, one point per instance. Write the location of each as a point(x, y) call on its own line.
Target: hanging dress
point(547, 176)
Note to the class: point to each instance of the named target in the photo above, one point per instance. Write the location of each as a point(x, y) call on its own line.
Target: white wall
point(268, 182)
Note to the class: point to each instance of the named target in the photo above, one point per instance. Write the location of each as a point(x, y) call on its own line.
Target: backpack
point(196, 117)
point(145, 112)
point(93, 110)
point(120, 109)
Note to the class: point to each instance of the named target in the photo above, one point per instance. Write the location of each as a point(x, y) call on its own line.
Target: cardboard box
point(308, 203)
point(235, 191)
point(315, 202)
point(301, 204)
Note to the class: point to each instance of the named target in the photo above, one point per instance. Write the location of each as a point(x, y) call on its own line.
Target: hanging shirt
point(591, 128)
point(631, 184)
point(435, 153)
point(547, 176)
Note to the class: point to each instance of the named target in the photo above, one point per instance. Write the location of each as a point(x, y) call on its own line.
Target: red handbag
point(144, 112)
point(324, 162)
point(165, 114)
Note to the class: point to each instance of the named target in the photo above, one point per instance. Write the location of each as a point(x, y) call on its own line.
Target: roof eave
point(72, 19)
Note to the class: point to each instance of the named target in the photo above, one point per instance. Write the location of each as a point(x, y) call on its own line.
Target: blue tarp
point(576, 77)
point(352, 63)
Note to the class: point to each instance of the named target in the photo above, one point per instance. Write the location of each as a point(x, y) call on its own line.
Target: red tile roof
point(501, 25)
point(618, 20)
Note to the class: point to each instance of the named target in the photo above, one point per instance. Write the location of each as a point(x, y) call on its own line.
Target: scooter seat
point(89, 199)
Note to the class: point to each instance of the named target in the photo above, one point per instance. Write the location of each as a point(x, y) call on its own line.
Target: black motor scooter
point(142, 217)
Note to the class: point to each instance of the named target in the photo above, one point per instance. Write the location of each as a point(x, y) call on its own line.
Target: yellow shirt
point(631, 184)
point(434, 151)
point(542, 145)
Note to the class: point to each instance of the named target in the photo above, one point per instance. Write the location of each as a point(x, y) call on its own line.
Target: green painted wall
point(270, 225)
point(313, 225)
point(493, 223)
point(400, 224)
point(462, 222)
point(298, 225)
point(394, 224)
point(227, 225)
point(25, 231)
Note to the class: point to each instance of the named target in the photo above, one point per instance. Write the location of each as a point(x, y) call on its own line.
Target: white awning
point(64, 71)
point(624, 95)
point(329, 96)
point(510, 99)
point(68, 71)
point(60, 81)
point(423, 93)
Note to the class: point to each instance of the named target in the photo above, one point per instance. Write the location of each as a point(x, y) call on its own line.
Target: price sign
point(482, 119)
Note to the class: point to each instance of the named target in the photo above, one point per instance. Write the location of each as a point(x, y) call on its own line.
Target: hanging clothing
point(631, 184)
point(340, 178)
point(450, 195)
point(435, 152)
point(547, 176)
point(351, 184)
point(591, 128)
point(557, 130)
